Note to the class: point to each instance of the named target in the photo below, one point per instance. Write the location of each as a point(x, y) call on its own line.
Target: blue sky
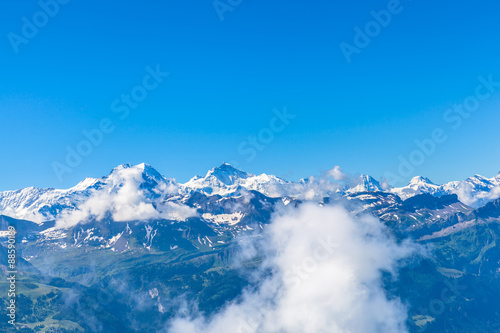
point(227, 76)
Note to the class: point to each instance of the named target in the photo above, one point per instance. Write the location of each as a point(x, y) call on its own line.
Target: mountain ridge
point(42, 204)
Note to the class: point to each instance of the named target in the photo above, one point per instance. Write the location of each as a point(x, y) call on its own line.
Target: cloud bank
point(321, 272)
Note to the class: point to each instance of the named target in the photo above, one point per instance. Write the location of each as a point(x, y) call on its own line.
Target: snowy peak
point(142, 182)
point(146, 170)
point(150, 171)
point(144, 176)
point(365, 183)
point(226, 180)
point(227, 174)
point(480, 182)
point(84, 184)
point(419, 180)
point(369, 183)
point(475, 191)
point(222, 180)
point(418, 185)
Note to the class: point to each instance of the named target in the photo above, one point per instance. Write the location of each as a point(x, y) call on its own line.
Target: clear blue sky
point(227, 76)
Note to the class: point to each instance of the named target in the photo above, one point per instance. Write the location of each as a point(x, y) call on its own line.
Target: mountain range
point(41, 205)
point(83, 250)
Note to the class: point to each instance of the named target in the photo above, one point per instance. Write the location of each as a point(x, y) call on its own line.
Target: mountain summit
point(365, 183)
point(227, 174)
point(227, 180)
point(419, 180)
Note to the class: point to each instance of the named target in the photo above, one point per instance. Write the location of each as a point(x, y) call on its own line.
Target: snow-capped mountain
point(225, 180)
point(365, 183)
point(475, 191)
point(418, 185)
point(141, 190)
point(39, 205)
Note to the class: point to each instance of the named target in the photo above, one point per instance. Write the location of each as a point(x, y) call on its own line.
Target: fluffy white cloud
point(124, 200)
point(471, 197)
point(336, 173)
point(326, 277)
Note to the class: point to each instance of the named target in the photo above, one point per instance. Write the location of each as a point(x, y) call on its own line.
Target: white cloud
point(384, 184)
point(336, 173)
point(123, 200)
point(471, 197)
point(326, 277)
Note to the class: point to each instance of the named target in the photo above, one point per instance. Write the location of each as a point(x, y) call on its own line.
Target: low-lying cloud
point(469, 196)
point(321, 272)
